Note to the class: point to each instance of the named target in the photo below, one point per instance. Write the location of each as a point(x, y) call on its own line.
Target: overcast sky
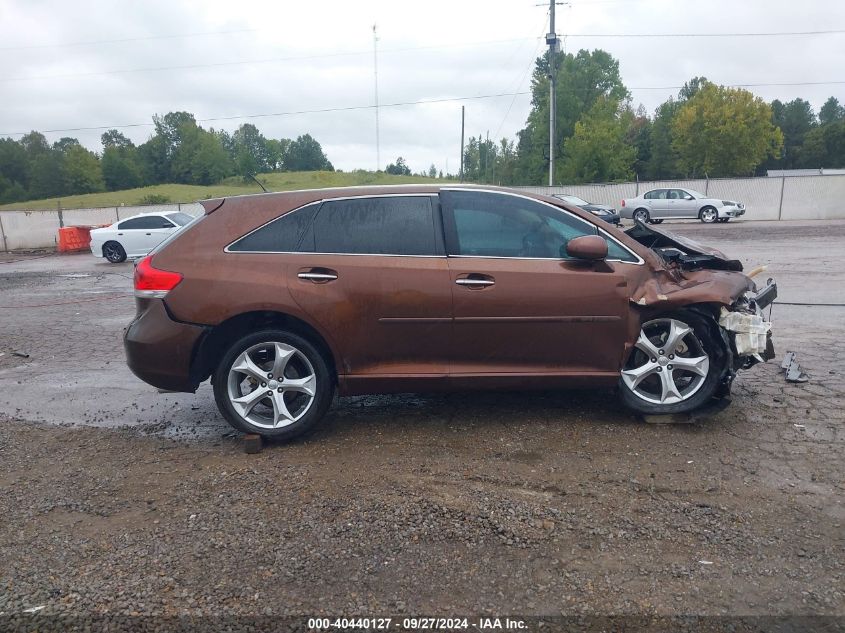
point(54, 77)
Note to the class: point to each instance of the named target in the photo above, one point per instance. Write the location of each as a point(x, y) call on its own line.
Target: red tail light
point(623, 202)
point(152, 282)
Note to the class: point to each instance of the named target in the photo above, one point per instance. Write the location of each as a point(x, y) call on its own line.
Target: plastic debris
point(793, 372)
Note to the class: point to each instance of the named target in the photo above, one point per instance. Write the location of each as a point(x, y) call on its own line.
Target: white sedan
point(136, 236)
point(667, 204)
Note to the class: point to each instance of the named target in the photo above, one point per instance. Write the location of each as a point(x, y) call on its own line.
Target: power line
point(260, 61)
point(402, 50)
point(396, 105)
point(125, 39)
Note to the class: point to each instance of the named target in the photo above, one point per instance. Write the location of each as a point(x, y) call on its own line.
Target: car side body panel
point(396, 323)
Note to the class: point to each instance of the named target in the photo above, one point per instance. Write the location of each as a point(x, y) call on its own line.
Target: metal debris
point(793, 372)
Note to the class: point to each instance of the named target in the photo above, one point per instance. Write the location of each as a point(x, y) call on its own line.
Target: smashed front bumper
point(750, 333)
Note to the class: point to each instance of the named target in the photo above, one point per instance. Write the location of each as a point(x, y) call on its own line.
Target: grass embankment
point(283, 181)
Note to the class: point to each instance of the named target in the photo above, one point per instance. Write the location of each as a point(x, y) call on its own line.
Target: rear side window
point(145, 222)
point(282, 235)
point(401, 225)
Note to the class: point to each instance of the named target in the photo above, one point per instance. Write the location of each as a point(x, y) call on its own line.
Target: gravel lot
point(115, 499)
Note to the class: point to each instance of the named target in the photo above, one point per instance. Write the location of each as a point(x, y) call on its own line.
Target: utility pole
point(375, 78)
point(463, 120)
point(554, 47)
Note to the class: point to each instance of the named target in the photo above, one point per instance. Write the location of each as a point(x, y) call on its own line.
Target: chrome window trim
point(640, 261)
point(320, 202)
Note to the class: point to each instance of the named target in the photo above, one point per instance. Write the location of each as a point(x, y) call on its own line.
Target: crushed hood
point(684, 252)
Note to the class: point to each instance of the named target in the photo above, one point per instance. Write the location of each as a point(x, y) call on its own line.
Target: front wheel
point(676, 364)
point(273, 383)
point(708, 215)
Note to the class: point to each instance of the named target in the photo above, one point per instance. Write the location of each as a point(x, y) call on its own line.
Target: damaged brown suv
point(282, 298)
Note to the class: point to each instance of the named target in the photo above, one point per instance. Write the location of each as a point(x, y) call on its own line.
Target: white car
point(136, 236)
point(666, 204)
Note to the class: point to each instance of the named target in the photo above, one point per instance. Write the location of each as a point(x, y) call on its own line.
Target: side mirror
point(590, 247)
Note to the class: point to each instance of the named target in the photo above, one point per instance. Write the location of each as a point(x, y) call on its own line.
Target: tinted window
point(379, 226)
point(180, 218)
point(499, 225)
point(279, 236)
point(145, 222)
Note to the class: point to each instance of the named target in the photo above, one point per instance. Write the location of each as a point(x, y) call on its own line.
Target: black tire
point(114, 252)
point(707, 333)
point(323, 393)
point(657, 221)
point(708, 215)
point(641, 215)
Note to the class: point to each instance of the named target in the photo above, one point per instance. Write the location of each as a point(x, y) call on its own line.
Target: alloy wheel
point(709, 215)
point(112, 252)
point(271, 385)
point(641, 216)
point(668, 365)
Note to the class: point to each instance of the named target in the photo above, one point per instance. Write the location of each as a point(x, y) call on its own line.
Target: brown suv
point(280, 298)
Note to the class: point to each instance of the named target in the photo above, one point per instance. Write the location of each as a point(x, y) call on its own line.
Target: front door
point(522, 307)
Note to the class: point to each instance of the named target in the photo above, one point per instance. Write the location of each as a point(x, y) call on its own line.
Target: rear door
point(659, 203)
point(372, 272)
point(522, 307)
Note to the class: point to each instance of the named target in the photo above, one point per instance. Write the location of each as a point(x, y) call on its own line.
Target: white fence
point(784, 198)
point(40, 229)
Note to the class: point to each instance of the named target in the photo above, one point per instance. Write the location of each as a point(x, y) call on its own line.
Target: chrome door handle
point(317, 276)
point(475, 282)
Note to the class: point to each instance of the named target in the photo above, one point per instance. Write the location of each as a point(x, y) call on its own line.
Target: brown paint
point(394, 323)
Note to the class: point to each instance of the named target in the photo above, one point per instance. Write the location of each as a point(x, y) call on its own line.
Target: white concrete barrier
point(782, 198)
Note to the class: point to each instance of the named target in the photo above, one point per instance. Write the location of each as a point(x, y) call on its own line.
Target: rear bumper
point(160, 350)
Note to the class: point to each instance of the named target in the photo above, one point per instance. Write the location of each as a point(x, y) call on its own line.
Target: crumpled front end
point(686, 274)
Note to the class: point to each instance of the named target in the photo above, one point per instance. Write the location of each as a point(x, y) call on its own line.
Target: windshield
point(696, 194)
point(572, 199)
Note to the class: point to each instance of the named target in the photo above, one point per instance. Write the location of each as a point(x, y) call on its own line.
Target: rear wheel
point(114, 252)
point(273, 383)
point(676, 364)
point(708, 215)
point(641, 216)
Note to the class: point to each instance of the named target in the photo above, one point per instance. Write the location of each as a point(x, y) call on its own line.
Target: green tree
point(120, 168)
point(598, 150)
point(209, 162)
point(824, 146)
point(277, 150)
point(14, 163)
point(399, 168)
point(305, 154)
point(638, 136)
point(46, 175)
point(831, 111)
point(113, 138)
point(432, 171)
point(81, 171)
point(581, 79)
point(795, 119)
point(724, 132)
point(251, 155)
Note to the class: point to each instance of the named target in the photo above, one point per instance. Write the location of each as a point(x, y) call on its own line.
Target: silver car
point(664, 204)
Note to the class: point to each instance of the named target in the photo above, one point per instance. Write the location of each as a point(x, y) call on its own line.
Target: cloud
point(427, 51)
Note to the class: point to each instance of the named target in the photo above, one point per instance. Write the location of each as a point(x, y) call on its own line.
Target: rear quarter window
point(282, 235)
